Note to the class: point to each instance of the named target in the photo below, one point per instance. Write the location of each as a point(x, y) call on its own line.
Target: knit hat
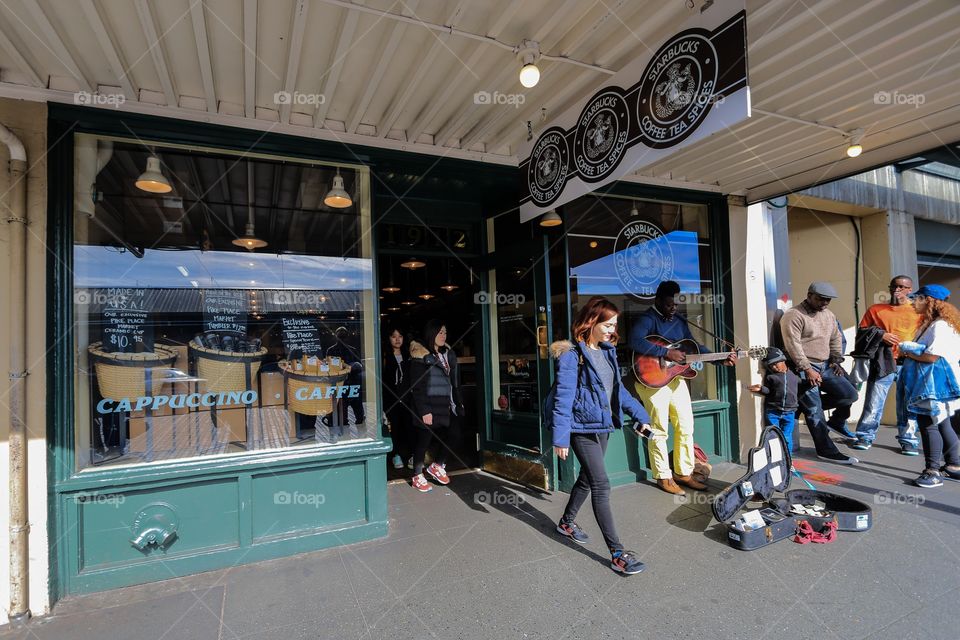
point(774, 356)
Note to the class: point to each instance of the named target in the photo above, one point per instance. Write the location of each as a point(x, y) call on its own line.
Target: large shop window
point(194, 338)
point(622, 249)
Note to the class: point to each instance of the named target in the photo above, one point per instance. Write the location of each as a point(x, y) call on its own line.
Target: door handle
point(541, 336)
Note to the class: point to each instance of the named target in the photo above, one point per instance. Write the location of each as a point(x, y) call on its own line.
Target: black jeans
point(940, 442)
point(590, 449)
point(838, 394)
point(425, 437)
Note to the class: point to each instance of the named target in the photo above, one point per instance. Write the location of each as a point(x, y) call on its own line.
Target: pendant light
point(550, 219)
point(855, 148)
point(633, 210)
point(450, 285)
point(249, 240)
point(529, 72)
point(391, 286)
point(337, 197)
point(426, 295)
point(152, 180)
point(413, 263)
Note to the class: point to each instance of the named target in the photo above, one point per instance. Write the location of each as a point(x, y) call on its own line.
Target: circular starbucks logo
point(601, 135)
point(677, 89)
point(549, 166)
point(642, 258)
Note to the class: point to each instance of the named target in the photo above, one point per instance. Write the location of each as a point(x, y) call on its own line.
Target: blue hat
point(939, 292)
point(774, 355)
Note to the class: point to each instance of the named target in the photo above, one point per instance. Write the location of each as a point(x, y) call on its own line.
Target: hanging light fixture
point(633, 210)
point(449, 286)
point(854, 149)
point(337, 197)
point(529, 72)
point(152, 180)
point(413, 263)
point(249, 239)
point(551, 219)
point(391, 286)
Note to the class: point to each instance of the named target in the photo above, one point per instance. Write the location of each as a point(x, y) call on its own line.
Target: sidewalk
point(479, 559)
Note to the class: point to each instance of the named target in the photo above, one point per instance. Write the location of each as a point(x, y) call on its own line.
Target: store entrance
point(415, 290)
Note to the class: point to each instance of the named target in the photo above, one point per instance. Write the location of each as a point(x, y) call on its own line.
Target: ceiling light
point(391, 289)
point(550, 219)
point(393, 308)
point(855, 148)
point(152, 180)
point(633, 211)
point(413, 263)
point(593, 244)
point(408, 303)
point(529, 73)
point(450, 287)
point(249, 239)
point(426, 296)
point(337, 197)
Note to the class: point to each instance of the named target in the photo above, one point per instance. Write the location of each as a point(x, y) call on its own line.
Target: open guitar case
point(768, 473)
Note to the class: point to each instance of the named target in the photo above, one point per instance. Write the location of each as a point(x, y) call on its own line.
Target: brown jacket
point(810, 336)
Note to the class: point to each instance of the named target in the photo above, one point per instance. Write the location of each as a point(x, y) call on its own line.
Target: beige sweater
point(810, 336)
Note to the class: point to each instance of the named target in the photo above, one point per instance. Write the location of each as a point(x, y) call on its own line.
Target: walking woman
point(435, 387)
point(396, 394)
point(931, 382)
point(589, 398)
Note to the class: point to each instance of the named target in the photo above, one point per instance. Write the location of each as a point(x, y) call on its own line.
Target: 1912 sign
point(423, 237)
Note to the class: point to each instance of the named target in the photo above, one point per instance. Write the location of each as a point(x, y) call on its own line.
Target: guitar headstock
point(757, 353)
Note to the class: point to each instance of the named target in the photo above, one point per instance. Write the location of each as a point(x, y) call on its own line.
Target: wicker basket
point(124, 375)
point(225, 371)
point(294, 381)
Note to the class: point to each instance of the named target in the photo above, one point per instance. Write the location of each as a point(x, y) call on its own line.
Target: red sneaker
point(438, 473)
point(420, 483)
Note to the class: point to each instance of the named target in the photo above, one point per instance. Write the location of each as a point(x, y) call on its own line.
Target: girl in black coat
point(435, 387)
point(396, 395)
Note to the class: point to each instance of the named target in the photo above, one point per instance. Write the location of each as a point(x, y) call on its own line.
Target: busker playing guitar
point(671, 401)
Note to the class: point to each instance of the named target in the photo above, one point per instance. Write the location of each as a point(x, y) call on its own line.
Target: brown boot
point(668, 485)
point(688, 481)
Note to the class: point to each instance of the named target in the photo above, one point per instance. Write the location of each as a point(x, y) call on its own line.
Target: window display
point(231, 312)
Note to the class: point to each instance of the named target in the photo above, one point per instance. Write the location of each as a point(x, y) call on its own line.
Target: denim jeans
point(783, 420)
point(876, 397)
point(590, 449)
point(838, 394)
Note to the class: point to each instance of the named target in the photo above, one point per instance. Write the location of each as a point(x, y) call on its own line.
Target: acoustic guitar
point(656, 372)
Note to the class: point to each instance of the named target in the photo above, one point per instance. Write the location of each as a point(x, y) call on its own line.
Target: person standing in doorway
point(588, 401)
point(349, 356)
point(435, 389)
point(396, 395)
point(811, 340)
point(671, 402)
point(931, 383)
point(899, 322)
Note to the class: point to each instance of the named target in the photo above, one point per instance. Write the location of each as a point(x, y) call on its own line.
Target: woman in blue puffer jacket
point(588, 404)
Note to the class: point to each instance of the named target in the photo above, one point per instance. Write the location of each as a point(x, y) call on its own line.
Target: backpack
point(551, 400)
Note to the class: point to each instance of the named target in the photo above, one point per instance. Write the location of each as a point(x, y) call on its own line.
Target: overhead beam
point(250, 58)
point(389, 49)
point(55, 44)
point(109, 49)
point(203, 53)
point(347, 29)
point(155, 46)
point(19, 61)
point(293, 55)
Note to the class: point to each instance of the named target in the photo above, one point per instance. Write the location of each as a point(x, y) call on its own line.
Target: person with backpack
point(582, 409)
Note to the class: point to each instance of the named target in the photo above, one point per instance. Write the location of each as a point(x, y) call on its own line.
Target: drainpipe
point(16, 217)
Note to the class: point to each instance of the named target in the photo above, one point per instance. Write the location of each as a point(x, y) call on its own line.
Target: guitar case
point(768, 472)
point(847, 513)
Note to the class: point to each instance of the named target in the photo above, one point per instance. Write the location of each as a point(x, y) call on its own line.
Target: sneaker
point(438, 473)
point(626, 562)
point(861, 445)
point(843, 431)
point(410, 462)
point(573, 531)
point(929, 479)
point(952, 471)
point(838, 457)
point(420, 483)
point(397, 462)
point(909, 449)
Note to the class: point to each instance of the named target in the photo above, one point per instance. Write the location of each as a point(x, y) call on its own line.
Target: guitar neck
point(710, 357)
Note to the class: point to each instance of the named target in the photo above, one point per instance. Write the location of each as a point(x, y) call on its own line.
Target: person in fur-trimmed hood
point(435, 389)
point(586, 406)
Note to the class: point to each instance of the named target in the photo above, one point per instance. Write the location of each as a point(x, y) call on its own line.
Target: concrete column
point(902, 241)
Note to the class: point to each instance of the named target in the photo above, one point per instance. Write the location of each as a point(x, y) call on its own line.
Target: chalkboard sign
point(301, 333)
point(225, 310)
point(126, 326)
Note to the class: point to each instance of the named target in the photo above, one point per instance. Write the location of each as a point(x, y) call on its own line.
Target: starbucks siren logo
point(601, 135)
point(677, 89)
point(549, 166)
point(642, 258)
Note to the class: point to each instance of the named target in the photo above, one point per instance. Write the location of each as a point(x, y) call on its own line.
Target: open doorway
point(415, 290)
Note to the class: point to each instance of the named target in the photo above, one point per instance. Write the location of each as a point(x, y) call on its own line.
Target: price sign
point(301, 333)
point(225, 310)
point(126, 327)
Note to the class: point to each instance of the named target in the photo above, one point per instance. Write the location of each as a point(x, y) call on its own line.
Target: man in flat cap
point(813, 344)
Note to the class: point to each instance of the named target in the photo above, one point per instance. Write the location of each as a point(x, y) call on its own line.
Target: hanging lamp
point(337, 197)
point(249, 239)
point(551, 219)
point(391, 286)
point(152, 180)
